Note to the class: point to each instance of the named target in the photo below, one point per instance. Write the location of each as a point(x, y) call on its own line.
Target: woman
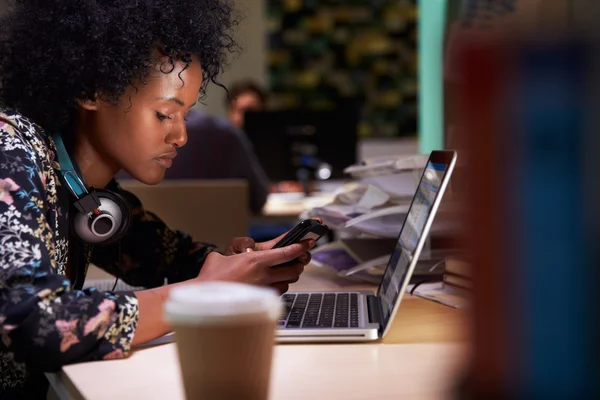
point(104, 85)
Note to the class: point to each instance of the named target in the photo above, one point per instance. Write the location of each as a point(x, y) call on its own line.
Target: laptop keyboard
point(320, 310)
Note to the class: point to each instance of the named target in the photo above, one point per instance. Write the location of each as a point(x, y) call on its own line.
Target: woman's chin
point(150, 177)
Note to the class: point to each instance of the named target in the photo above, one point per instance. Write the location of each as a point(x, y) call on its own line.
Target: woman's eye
point(161, 117)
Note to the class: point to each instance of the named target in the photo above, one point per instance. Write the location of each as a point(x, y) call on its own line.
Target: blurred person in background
point(246, 95)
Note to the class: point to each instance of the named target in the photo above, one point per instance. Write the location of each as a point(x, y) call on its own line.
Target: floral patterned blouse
point(46, 320)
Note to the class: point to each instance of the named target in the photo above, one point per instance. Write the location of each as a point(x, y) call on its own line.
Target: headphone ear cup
point(125, 214)
point(111, 204)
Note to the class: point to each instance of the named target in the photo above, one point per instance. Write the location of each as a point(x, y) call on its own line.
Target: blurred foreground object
point(525, 121)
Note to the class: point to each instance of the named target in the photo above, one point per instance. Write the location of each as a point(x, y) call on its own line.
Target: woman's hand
point(240, 245)
point(256, 267)
point(243, 244)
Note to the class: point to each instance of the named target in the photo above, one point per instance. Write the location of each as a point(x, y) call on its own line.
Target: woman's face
point(142, 133)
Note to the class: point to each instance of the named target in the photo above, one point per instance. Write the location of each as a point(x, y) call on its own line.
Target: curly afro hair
point(55, 52)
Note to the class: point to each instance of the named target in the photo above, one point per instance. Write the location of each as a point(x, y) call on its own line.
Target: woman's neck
point(96, 168)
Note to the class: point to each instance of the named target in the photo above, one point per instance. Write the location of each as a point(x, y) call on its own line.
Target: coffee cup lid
point(207, 302)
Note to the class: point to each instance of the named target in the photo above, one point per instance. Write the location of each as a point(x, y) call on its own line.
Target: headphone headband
point(87, 200)
point(102, 216)
point(74, 182)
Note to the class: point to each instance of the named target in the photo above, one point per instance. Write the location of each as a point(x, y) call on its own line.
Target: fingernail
point(312, 242)
point(248, 250)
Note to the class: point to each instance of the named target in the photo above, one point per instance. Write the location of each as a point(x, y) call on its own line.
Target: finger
point(270, 243)
point(311, 243)
point(305, 258)
point(269, 258)
point(288, 273)
point(282, 287)
point(299, 268)
point(241, 244)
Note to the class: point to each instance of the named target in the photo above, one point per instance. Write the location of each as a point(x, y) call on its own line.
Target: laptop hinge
point(374, 309)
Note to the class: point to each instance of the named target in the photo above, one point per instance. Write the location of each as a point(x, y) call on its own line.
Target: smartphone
point(307, 229)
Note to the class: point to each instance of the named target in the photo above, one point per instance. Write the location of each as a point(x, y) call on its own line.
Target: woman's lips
point(165, 162)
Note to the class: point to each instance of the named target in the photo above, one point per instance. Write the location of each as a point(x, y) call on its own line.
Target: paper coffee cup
point(224, 333)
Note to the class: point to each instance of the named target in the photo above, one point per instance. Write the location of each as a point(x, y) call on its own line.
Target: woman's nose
point(178, 136)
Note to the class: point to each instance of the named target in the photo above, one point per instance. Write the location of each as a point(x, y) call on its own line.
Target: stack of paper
point(363, 209)
point(397, 176)
point(377, 201)
point(443, 294)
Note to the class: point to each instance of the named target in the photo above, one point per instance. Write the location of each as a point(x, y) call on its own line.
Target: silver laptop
point(366, 316)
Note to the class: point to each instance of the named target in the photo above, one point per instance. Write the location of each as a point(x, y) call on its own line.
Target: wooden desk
point(419, 359)
point(418, 320)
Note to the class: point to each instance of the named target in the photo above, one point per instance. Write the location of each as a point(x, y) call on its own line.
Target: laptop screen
point(410, 234)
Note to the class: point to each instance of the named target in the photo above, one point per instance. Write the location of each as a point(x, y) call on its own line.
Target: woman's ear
point(87, 104)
